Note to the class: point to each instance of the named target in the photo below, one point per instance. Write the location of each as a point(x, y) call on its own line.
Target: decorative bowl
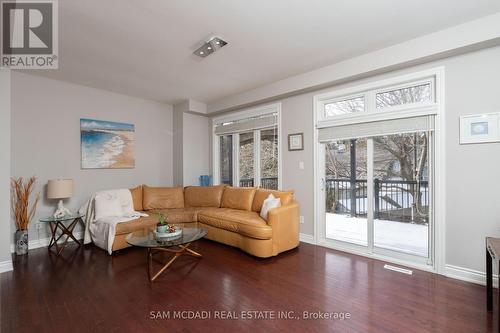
point(168, 235)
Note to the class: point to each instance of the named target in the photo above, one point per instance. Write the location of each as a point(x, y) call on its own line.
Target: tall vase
point(21, 239)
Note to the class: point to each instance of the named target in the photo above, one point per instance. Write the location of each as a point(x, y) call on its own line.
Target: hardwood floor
point(89, 291)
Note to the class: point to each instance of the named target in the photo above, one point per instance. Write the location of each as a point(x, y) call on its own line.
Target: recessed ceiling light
point(210, 46)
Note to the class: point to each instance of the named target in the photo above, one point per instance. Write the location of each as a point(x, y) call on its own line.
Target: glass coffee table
point(178, 246)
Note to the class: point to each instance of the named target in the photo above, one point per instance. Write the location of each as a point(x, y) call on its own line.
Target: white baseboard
point(306, 238)
point(44, 242)
point(6, 266)
point(469, 275)
point(451, 271)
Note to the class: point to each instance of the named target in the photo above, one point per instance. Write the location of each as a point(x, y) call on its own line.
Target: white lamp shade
point(60, 188)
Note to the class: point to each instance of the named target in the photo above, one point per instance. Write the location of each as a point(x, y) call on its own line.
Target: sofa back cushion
point(238, 198)
point(162, 197)
point(137, 198)
point(262, 194)
point(203, 196)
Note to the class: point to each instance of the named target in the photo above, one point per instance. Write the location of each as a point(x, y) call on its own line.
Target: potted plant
point(23, 213)
point(162, 225)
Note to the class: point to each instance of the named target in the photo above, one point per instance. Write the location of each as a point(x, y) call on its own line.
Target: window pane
point(246, 159)
point(226, 159)
point(415, 94)
point(346, 106)
point(346, 191)
point(401, 190)
point(269, 158)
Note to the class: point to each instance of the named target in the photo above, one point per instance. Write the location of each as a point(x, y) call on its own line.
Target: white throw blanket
point(102, 231)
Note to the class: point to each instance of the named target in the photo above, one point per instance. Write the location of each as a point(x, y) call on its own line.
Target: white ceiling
point(144, 48)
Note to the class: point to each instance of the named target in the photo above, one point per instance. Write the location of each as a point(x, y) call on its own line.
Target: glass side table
point(58, 224)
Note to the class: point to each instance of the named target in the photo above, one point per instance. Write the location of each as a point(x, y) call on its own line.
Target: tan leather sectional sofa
point(231, 215)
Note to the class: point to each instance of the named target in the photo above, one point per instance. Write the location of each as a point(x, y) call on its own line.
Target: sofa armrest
point(285, 224)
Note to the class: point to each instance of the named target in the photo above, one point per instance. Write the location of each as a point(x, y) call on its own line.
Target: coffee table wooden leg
point(149, 259)
point(189, 251)
point(177, 253)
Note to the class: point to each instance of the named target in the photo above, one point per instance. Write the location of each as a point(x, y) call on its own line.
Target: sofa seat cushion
point(179, 215)
point(246, 223)
point(134, 225)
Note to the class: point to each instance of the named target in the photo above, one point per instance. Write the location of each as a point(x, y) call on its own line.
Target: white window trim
point(369, 91)
point(240, 115)
point(437, 108)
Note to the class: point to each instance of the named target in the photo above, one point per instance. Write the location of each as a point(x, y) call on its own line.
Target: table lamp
point(60, 189)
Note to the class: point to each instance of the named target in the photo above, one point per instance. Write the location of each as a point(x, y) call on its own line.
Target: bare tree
point(396, 157)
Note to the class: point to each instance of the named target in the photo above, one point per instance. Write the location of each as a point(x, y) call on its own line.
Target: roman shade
point(248, 124)
point(376, 128)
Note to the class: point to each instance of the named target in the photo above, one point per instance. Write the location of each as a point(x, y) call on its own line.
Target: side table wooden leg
point(489, 281)
point(150, 263)
point(53, 238)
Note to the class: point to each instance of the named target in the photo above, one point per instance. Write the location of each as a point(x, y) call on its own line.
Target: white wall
point(178, 147)
point(46, 138)
point(191, 153)
point(472, 177)
point(5, 230)
point(196, 148)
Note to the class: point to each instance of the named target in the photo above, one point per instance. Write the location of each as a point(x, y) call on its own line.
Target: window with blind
point(247, 150)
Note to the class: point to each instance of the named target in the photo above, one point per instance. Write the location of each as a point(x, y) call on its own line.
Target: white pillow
point(268, 204)
point(107, 206)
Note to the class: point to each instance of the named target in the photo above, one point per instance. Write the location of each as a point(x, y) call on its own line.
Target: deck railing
point(265, 182)
point(400, 200)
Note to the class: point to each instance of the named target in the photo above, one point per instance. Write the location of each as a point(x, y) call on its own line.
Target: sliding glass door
point(375, 155)
point(377, 193)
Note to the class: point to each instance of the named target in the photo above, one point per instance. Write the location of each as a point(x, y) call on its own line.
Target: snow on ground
point(403, 237)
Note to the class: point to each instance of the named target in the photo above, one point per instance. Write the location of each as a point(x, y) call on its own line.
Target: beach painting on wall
point(107, 144)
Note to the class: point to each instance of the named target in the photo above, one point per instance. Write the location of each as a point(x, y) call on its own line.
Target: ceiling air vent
point(210, 47)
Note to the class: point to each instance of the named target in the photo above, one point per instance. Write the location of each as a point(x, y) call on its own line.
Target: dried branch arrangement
point(20, 201)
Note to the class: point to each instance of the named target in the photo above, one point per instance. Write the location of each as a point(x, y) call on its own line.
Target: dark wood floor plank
point(89, 291)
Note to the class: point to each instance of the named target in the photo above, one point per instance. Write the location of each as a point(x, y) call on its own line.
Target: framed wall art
point(480, 128)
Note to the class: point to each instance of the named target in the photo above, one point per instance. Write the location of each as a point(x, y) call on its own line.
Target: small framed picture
point(296, 141)
point(480, 128)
